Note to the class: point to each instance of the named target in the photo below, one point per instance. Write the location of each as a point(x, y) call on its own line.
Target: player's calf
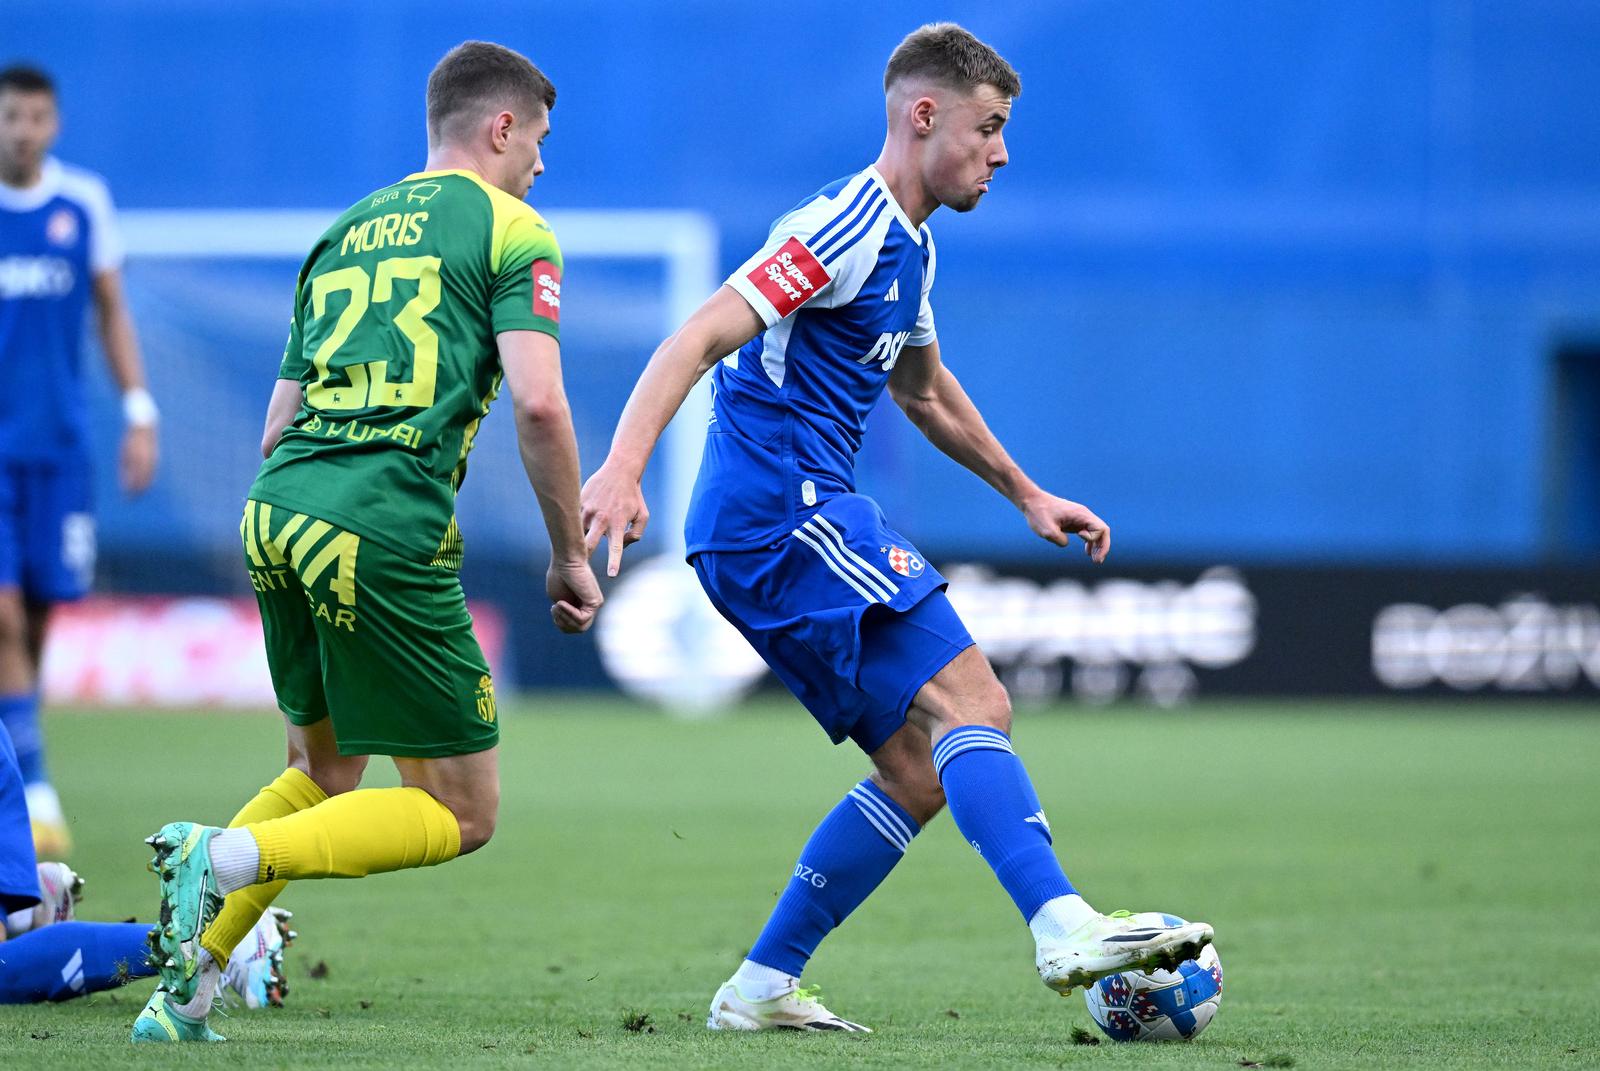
point(903, 769)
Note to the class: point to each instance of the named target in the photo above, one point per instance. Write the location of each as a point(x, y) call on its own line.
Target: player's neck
point(909, 192)
point(20, 176)
point(452, 158)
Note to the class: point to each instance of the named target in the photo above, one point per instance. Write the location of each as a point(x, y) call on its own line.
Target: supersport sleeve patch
point(780, 282)
point(547, 290)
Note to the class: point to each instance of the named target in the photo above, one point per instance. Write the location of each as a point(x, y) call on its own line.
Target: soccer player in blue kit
point(849, 616)
point(59, 253)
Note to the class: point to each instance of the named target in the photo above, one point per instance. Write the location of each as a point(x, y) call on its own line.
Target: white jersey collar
point(894, 206)
point(27, 198)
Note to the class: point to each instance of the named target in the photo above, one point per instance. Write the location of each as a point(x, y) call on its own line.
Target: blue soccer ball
point(1159, 1005)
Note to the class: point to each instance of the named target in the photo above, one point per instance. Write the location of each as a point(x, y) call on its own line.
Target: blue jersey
point(842, 286)
point(55, 236)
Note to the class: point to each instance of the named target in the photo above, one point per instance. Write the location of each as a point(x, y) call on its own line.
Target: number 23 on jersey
point(369, 383)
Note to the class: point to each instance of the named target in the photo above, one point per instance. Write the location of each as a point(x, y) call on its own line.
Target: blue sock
point(848, 856)
point(996, 809)
point(70, 959)
point(20, 715)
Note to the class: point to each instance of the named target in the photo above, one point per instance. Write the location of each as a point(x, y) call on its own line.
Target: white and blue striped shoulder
point(89, 191)
point(821, 253)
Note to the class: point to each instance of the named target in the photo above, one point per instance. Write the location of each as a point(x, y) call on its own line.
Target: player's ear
point(500, 130)
point(922, 114)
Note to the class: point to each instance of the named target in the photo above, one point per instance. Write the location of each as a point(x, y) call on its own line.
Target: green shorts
point(381, 644)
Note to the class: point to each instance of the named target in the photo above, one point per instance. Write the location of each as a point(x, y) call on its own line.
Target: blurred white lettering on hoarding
point(1526, 644)
point(660, 639)
point(1163, 628)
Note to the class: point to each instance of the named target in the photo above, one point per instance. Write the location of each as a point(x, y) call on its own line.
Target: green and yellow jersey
point(393, 339)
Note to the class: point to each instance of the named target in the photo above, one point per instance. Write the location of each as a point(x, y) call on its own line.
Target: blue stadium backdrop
point(1269, 284)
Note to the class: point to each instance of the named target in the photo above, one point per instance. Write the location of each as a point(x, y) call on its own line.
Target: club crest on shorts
point(485, 699)
point(904, 562)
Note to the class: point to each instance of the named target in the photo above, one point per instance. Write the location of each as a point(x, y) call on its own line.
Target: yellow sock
point(292, 791)
point(370, 831)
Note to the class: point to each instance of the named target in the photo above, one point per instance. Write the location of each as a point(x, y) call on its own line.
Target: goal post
point(684, 242)
point(659, 638)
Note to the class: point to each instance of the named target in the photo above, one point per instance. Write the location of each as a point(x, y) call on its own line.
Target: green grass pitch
point(1392, 886)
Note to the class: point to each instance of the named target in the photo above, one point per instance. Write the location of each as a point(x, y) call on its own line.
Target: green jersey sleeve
point(294, 363)
point(525, 294)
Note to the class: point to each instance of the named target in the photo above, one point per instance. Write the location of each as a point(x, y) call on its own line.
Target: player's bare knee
point(476, 822)
point(995, 710)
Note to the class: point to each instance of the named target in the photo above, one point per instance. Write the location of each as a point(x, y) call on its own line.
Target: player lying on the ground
point(48, 955)
point(841, 606)
point(59, 244)
point(350, 536)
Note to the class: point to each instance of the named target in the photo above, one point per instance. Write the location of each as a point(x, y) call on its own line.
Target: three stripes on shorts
point(867, 579)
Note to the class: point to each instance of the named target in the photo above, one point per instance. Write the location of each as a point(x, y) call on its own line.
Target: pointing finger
point(614, 539)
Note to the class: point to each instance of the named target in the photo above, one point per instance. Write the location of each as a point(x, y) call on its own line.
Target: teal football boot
point(159, 1023)
point(190, 901)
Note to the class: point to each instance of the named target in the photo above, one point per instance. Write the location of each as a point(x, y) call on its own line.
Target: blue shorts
point(19, 872)
point(47, 542)
point(846, 612)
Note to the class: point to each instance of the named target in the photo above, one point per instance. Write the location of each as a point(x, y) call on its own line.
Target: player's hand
point(138, 462)
point(574, 595)
point(1058, 520)
point(613, 509)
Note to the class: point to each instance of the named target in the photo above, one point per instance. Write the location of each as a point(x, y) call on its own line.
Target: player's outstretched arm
point(531, 361)
point(935, 402)
point(613, 501)
point(121, 345)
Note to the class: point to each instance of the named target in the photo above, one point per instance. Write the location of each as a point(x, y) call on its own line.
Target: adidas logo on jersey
point(894, 291)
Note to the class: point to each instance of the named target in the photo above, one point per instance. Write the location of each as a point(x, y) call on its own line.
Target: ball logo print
point(904, 562)
point(1159, 1005)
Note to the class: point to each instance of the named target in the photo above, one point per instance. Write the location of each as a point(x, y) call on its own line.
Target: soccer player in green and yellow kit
point(410, 311)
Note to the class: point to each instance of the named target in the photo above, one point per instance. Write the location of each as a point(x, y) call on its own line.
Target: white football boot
point(255, 969)
point(59, 892)
point(799, 1009)
point(1120, 941)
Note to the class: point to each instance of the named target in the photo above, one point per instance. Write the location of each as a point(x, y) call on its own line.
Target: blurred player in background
point(59, 250)
point(834, 308)
point(410, 311)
